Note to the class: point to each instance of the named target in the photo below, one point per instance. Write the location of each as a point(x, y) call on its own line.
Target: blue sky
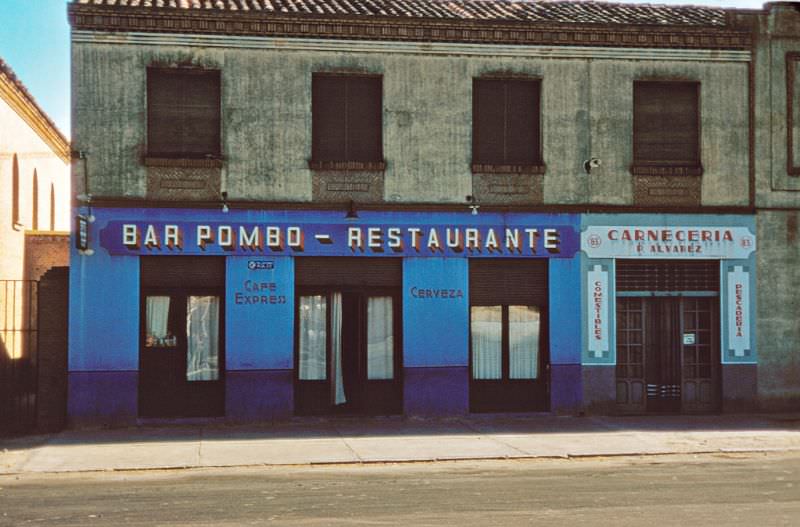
point(34, 41)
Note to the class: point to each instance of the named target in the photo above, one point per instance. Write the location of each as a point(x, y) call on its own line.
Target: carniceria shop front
point(260, 315)
point(669, 310)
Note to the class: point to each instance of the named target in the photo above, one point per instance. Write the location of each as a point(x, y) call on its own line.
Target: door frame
point(308, 394)
point(182, 395)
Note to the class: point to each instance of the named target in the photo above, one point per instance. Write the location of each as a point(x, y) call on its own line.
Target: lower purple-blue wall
point(431, 392)
point(102, 397)
point(260, 395)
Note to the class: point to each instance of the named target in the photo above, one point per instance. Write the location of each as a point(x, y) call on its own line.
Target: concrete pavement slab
point(220, 453)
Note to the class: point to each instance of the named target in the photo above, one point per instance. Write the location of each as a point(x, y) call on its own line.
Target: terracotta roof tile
point(541, 11)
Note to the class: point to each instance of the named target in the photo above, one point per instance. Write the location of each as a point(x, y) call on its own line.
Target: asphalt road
point(743, 489)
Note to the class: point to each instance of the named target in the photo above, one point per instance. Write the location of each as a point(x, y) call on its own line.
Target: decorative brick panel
point(183, 183)
point(343, 186)
point(658, 191)
point(508, 189)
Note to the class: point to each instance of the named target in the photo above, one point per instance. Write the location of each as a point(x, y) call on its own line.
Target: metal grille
point(666, 275)
point(515, 281)
point(18, 355)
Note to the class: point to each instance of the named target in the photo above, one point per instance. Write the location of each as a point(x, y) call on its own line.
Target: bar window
point(505, 342)
point(666, 126)
point(202, 337)
point(183, 113)
point(313, 336)
point(506, 122)
point(380, 338)
point(347, 123)
point(158, 333)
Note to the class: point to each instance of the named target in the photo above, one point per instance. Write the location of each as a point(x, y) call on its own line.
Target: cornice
point(412, 48)
point(29, 111)
point(88, 17)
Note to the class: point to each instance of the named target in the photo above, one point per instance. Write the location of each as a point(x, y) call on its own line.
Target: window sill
point(182, 162)
point(351, 166)
point(488, 168)
point(642, 169)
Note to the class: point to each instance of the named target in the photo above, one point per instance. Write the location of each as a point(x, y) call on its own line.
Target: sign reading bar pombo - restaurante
point(316, 239)
point(668, 242)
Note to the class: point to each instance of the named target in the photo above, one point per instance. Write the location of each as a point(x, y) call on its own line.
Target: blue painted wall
point(259, 311)
point(435, 330)
point(566, 321)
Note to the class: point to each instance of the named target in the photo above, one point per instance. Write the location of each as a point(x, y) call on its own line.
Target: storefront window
point(380, 338)
point(313, 338)
point(487, 342)
point(523, 342)
point(202, 329)
point(157, 331)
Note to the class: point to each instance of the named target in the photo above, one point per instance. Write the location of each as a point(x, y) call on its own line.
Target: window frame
point(156, 157)
point(538, 165)
point(316, 162)
point(505, 346)
point(688, 167)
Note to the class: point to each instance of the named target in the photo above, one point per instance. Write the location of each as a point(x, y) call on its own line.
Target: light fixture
point(473, 205)
point(591, 163)
point(352, 214)
point(225, 207)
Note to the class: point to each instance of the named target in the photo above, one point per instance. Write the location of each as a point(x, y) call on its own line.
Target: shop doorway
point(668, 349)
point(347, 358)
point(181, 354)
point(348, 337)
point(509, 357)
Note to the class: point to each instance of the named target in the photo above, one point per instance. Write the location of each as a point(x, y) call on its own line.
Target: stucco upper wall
point(776, 186)
point(587, 99)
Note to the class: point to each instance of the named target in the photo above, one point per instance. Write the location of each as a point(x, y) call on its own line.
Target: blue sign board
point(142, 237)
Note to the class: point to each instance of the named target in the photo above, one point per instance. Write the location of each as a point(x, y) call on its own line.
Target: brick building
point(429, 208)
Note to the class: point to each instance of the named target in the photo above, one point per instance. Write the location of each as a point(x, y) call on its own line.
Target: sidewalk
point(389, 440)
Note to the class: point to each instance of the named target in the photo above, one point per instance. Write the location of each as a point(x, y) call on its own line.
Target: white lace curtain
point(156, 320)
point(380, 338)
point(336, 343)
point(313, 338)
point(487, 342)
point(523, 342)
point(202, 335)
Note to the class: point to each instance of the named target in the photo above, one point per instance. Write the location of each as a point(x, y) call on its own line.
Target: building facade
point(420, 208)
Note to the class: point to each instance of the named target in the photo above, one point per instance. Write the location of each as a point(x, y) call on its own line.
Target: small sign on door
point(688, 339)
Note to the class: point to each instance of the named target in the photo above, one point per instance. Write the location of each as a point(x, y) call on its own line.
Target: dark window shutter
point(182, 271)
point(346, 113)
point(511, 282)
point(667, 275)
point(522, 111)
point(666, 125)
point(488, 122)
point(183, 113)
point(333, 271)
point(364, 108)
point(328, 107)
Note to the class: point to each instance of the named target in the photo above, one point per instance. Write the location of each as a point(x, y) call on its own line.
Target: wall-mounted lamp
point(225, 207)
point(473, 204)
point(352, 214)
point(591, 163)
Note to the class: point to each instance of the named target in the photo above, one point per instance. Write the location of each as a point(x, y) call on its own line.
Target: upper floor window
point(35, 201)
point(506, 123)
point(15, 192)
point(347, 121)
point(183, 113)
point(666, 127)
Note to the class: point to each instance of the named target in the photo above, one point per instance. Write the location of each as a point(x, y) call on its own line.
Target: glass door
point(181, 355)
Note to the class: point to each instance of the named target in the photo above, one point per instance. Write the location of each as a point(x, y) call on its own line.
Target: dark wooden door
point(667, 354)
point(355, 369)
point(181, 357)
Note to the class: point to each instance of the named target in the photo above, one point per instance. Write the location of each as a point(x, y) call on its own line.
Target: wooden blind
point(667, 275)
point(344, 271)
point(346, 113)
point(506, 121)
point(666, 123)
point(182, 271)
point(511, 282)
point(183, 113)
